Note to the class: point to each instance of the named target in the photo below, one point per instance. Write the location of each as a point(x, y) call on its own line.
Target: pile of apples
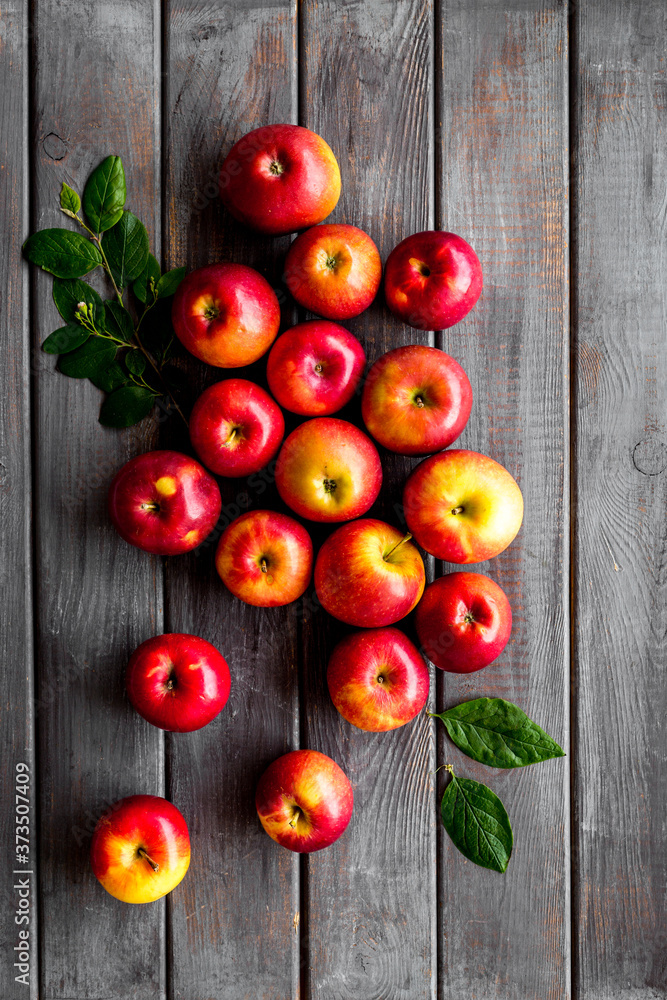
point(459, 506)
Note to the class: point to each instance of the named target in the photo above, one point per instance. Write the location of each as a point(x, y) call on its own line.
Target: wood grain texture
point(502, 181)
point(16, 631)
point(95, 93)
point(620, 533)
point(366, 86)
point(230, 68)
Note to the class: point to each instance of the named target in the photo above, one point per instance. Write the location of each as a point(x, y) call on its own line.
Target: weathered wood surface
point(16, 648)
point(453, 114)
point(620, 532)
point(96, 91)
point(366, 72)
point(230, 69)
point(502, 184)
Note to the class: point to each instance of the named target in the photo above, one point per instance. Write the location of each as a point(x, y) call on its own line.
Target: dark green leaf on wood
point(477, 822)
point(126, 406)
point(89, 361)
point(69, 201)
point(498, 733)
point(126, 248)
point(135, 362)
point(141, 287)
point(104, 194)
point(111, 378)
point(117, 321)
point(66, 339)
point(68, 294)
point(169, 282)
point(62, 252)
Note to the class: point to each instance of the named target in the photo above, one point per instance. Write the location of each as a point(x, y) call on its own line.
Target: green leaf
point(135, 362)
point(89, 361)
point(169, 282)
point(118, 321)
point(68, 294)
point(62, 252)
point(140, 286)
point(126, 406)
point(126, 248)
point(498, 733)
point(66, 339)
point(69, 201)
point(104, 194)
point(476, 820)
point(111, 378)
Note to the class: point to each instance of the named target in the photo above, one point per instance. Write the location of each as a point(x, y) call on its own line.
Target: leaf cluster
point(497, 733)
point(102, 340)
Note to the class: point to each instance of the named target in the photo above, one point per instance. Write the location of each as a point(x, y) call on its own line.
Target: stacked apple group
point(459, 506)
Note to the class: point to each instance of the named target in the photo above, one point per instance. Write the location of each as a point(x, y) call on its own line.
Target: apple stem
point(319, 369)
point(457, 510)
point(295, 817)
point(263, 565)
point(153, 505)
point(145, 854)
point(419, 401)
point(406, 538)
point(232, 434)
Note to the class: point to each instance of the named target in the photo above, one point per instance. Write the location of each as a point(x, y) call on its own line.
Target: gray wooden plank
point(620, 533)
point(229, 69)
point(16, 634)
point(96, 91)
point(366, 86)
point(502, 179)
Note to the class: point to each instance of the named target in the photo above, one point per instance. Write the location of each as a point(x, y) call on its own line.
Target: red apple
point(416, 400)
point(463, 622)
point(304, 801)
point(432, 280)
point(164, 502)
point(369, 574)
point(462, 506)
point(333, 270)
point(328, 470)
point(278, 179)
point(236, 428)
point(315, 368)
point(377, 679)
point(226, 315)
point(178, 682)
point(140, 849)
point(265, 558)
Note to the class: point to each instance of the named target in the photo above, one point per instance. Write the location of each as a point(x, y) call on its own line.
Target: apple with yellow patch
point(304, 801)
point(462, 506)
point(140, 849)
point(164, 502)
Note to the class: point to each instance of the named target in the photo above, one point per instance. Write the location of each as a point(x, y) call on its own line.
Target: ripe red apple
point(432, 280)
point(333, 270)
point(462, 506)
point(226, 315)
point(314, 368)
point(265, 558)
point(377, 679)
point(463, 622)
point(164, 502)
point(278, 179)
point(416, 400)
point(369, 574)
point(304, 801)
point(236, 428)
point(328, 470)
point(140, 849)
point(178, 682)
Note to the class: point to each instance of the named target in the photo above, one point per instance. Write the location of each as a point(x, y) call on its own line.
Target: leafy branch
point(100, 340)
